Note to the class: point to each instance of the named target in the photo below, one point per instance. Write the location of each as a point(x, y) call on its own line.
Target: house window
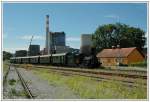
point(119, 60)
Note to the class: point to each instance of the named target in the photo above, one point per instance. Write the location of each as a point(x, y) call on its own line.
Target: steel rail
point(26, 88)
point(97, 78)
point(93, 74)
point(98, 73)
point(116, 72)
point(5, 76)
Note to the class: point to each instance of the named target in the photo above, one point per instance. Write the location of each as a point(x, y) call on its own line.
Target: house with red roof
point(116, 56)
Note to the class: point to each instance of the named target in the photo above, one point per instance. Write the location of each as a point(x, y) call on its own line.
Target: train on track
point(61, 59)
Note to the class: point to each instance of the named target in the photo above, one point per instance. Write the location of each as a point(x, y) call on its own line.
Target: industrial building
point(20, 53)
point(58, 38)
point(55, 41)
point(34, 50)
point(58, 42)
point(86, 44)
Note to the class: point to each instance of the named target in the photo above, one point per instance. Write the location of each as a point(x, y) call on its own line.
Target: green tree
point(110, 35)
point(6, 55)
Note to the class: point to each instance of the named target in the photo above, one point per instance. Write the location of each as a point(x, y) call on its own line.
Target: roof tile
point(117, 52)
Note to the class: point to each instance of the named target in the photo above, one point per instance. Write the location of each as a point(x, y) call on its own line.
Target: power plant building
point(86, 44)
point(55, 41)
point(58, 38)
point(20, 53)
point(34, 50)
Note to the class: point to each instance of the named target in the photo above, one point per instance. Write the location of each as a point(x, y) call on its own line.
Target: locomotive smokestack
point(47, 33)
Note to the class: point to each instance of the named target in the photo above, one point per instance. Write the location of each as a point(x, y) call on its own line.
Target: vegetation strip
point(104, 73)
point(87, 88)
point(98, 76)
point(106, 70)
point(97, 72)
point(5, 76)
point(124, 82)
point(94, 72)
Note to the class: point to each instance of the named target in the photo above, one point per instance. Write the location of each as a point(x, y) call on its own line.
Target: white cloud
point(73, 39)
point(112, 16)
point(36, 37)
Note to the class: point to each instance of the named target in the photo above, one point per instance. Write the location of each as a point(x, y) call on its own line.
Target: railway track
point(25, 86)
point(110, 74)
point(142, 75)
point(127, 82)
point(113, 72)
point(127, 79)
point(5, 76)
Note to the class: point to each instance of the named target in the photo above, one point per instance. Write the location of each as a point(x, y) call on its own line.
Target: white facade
point(86, 44)
point(86, 40)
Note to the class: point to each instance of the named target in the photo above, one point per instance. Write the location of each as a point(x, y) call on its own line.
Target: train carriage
point(18, 60)
point(62, 59)
point(34, 59)
point(44, 59)
point(12, 60)
point(25, 60)
point(71, 59)
point(59, 59)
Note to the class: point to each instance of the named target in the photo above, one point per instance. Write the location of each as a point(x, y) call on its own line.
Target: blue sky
point(22, 20)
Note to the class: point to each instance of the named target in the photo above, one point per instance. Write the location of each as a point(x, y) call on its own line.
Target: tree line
point(110, 35)
point(6, 55)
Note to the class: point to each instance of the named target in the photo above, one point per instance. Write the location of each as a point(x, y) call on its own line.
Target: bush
point(139, 64)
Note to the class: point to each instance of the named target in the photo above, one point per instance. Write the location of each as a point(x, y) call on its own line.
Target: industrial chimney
point(47, 34)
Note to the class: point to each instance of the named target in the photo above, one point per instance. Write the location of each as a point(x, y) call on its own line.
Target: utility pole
point(29, 46)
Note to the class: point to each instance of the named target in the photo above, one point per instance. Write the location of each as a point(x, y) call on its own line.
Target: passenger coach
point(63, 59)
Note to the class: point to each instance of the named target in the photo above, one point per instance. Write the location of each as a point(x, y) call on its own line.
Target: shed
point(115, 56)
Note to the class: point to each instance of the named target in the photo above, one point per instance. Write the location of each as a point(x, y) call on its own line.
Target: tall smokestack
point(47, 33)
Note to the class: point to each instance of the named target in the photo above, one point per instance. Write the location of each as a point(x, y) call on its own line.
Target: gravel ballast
point(13, 88)
point(42, 89)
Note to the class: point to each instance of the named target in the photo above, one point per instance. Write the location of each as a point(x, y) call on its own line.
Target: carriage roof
point(59, 54)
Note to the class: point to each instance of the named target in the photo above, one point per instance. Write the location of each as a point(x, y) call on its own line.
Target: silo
point(86, 44)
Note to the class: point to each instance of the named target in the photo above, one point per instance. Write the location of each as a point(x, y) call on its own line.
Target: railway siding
point(12, 87)
point(48, 83)
point(132, 78)
point(135, 73)
point(87, 88)
point(142, 75)
point(45, 90)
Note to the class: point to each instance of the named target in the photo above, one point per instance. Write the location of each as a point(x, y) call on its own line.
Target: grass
point(12, 82)
point(14, 92)
point(139, 64)
point(87, 88)
point(5, 67)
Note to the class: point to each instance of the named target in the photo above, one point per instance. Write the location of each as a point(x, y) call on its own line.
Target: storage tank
point(86, 44)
